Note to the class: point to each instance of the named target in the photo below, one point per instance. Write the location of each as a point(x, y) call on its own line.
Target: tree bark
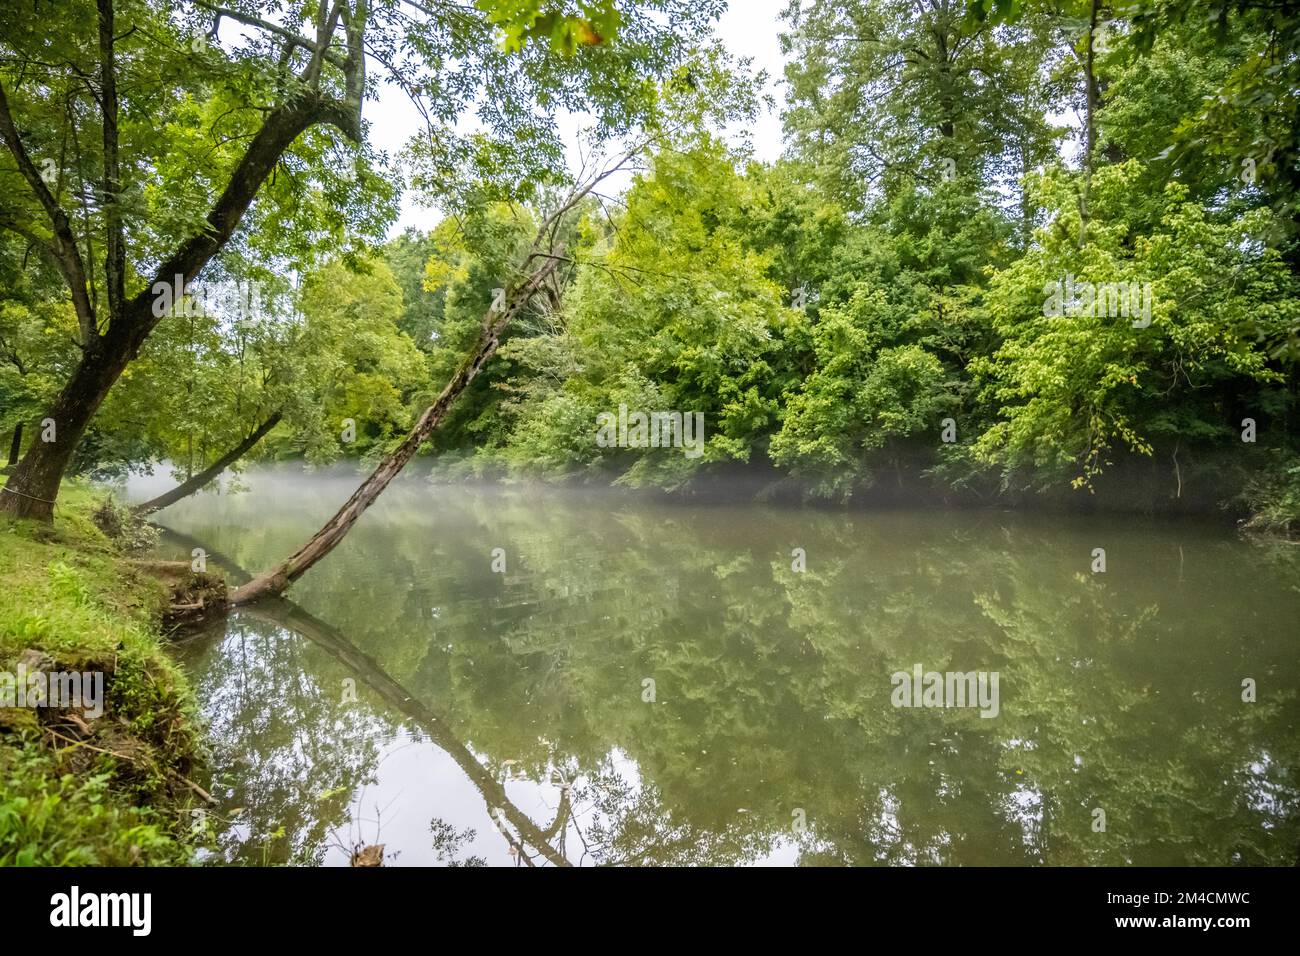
point(188, 487)
point(277, 579)
point(16, 445)
point(34, 484)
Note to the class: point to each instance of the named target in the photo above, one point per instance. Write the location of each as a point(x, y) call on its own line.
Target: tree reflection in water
point(1120, 691)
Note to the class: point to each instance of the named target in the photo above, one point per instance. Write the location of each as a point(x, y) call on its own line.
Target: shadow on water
point(650, 683)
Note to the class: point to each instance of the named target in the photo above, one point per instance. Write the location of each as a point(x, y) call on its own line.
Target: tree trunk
point(187, 488)
point(277, 579)
point(1090, 119)
point(16, 445)
point(34, 484)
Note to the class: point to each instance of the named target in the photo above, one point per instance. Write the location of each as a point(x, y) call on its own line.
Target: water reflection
point(503, 719)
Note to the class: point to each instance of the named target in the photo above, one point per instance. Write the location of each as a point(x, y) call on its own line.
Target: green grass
point(118, 797)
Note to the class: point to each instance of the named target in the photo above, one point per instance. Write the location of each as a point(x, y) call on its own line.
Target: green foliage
point(887, 94)
point(195, 150)
point(355, 363)
point(860, 400)
point(37, 337)
point(1273, 499)
point(53, 818)
point(923, 289)
point(671, 308)
point(825, 313)
point(523, 20)
point(69, 594)
point(128, 531)
point(1073, 390)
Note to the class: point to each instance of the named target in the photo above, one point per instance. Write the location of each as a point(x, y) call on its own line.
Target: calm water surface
point(410, 696)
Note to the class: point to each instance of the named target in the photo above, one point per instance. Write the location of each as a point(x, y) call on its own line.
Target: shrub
point(127, 530)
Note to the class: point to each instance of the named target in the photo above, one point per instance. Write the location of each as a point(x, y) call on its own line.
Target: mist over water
point(497, 715)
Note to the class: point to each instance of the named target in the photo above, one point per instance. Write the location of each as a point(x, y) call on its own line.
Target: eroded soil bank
point(100, 743)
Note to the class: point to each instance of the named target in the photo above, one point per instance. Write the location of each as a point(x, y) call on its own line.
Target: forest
point(928, 293)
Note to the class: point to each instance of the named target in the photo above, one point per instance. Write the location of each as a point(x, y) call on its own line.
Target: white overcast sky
point(749, 28)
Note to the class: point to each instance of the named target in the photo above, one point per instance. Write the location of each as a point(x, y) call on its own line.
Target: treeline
point(922, 294)
point(1012, 252)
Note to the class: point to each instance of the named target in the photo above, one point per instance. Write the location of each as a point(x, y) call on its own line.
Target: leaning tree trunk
point(191, 485)
point(34, 484)
point(277, 579)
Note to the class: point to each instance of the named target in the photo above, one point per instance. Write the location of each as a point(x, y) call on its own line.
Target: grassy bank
point(76, 790)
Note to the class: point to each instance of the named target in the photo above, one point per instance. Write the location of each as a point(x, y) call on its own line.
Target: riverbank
point(106, 784)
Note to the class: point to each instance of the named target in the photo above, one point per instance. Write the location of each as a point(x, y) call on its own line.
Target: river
point(538, 676)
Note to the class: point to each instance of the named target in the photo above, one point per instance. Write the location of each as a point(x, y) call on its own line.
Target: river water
point(652, 682)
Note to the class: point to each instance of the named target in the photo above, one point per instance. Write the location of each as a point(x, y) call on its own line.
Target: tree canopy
point(1010, 248)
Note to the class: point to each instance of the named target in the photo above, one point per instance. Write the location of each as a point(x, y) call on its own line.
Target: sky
point(749, 28)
